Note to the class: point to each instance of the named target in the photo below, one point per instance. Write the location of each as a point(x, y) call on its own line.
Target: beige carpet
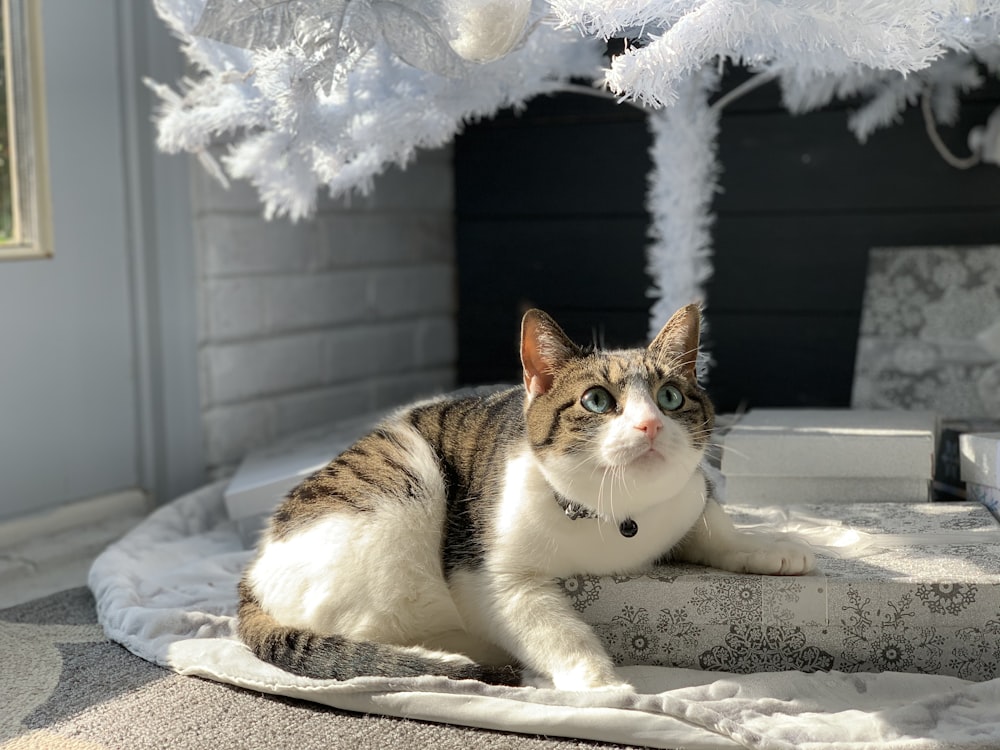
point(64, 685)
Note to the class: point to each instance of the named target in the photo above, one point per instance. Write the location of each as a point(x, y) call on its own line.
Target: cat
point(432, 545)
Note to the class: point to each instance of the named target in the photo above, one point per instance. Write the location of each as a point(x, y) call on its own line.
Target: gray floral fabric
point(922, 596)
point(930, 331)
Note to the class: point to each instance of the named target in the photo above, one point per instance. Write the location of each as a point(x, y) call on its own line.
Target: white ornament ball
point(485, 30)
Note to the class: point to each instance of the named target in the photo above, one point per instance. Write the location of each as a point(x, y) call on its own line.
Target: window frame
point(27, 131)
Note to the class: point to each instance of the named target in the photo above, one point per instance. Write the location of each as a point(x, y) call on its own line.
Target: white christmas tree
point(328, 93)
point(303, 112)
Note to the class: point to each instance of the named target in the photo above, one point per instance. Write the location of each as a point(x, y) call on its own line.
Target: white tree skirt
point(167, 592)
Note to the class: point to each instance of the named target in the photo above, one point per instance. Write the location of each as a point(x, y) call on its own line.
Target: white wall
point(98, 343)
point(67, 402)
point(303, 324)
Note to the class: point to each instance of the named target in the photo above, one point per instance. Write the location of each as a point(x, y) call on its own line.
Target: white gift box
point(899, 587)
point(980, 457)
point(831, 443)
point(979, 454)
point(988, 496)
point(266, 475)
point(795, 490)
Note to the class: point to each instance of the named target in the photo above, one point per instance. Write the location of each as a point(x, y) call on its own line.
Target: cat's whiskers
point(600, 503)
point(587, 459)
point(616, 472)
point(705, 424)
point(635, 479)
point(621, 472)
point(702, 432)
point(739, 453)
point(704, 438)
point(600, 492)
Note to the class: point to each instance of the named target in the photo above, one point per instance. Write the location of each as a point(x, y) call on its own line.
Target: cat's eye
point(669, 398)
point(597, 400)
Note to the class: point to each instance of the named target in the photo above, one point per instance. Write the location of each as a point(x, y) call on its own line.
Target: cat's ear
point(676, 344)
point(544, 350)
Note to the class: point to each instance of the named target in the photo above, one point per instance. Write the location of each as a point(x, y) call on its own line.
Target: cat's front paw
point(589, 677)
point(776, 557)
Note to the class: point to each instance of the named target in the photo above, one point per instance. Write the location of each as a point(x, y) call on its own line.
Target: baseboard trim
point(17, 532)
point(52, 551)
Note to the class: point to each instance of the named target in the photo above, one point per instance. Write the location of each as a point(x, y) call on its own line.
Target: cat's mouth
point(645, 457)
point(637, 455)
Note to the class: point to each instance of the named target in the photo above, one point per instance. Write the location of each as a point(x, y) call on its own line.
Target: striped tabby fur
point(432, 544)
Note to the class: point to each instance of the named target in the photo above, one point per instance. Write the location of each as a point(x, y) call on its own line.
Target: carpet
point(64, 684)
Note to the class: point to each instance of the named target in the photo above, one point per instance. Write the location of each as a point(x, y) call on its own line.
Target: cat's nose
point(650, 426)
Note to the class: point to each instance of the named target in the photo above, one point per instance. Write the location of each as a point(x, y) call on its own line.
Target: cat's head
point(615, 430)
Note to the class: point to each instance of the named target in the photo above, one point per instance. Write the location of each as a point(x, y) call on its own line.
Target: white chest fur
point(535, 534)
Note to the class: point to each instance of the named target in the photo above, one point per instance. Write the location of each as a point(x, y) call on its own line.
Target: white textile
point(166, 591)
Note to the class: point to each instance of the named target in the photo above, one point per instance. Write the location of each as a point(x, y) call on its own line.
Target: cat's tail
point(334, 657)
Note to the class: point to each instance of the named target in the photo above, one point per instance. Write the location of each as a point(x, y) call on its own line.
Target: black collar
point(627, 528)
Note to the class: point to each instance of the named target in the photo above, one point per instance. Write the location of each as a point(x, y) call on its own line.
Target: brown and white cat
point(432, 544)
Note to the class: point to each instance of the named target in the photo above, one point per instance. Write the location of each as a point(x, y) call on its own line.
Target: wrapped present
point(900, 587)
point(831, 443)
point(948, 482)
point(265, 476)
point(980, 465)
point(797, 490)
point(988, 496)
point(782, 456)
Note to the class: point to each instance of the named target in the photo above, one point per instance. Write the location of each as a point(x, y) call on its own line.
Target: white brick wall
point(305, 323)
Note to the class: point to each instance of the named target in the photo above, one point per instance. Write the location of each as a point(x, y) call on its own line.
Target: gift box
point(900, 587)
point(266, 475)
point(829, 455)
point(928, 336)
point(948, 482)
point(988, 496)
point(830, 443)
point(980, 466)
point(796, 490)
